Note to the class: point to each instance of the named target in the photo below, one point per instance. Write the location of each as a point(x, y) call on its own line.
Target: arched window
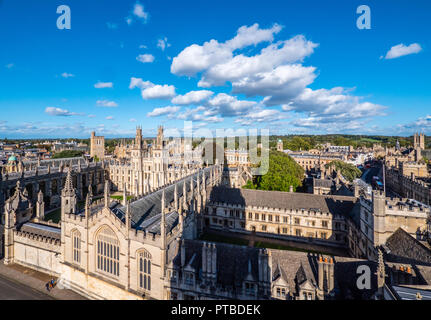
point(76, 246)
point(144, 270)
point(108, 252)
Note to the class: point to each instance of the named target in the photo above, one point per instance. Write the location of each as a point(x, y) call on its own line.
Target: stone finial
point(68, 185)
point(106, 193)
point(124, 194)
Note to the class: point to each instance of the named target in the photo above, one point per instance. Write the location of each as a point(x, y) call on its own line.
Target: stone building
point(314, 161)
point(97, 146)
point(380, 217)
point(109, 250)
point(155, 165)
point(408, 186)
point(280, 145)
point(285, 215)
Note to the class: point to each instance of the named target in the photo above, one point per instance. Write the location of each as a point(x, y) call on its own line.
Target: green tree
point(67, 154)
point(283, 172)
point(348, 171)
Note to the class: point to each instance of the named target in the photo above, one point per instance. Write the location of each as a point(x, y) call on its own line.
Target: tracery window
point(144, 270)
point(108, 252)
point(76, 246)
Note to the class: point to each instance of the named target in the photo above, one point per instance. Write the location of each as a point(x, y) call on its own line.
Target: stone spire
point(68, 185)
point(184, 194)
point(87, 205)
point(176, 197)
point(380, 274)
point(128, 215)
point(163, 220)
point(124, 195)
point(90, 191)
point(40, 206)
point(106, 193)
point(198, 182)
point(204, 185)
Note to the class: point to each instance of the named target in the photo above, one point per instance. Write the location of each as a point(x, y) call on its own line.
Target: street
point(11, 290)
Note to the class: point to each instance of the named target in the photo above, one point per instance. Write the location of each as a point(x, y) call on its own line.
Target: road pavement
point(12, 290)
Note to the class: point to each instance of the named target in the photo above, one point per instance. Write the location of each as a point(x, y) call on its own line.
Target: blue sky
point(289, 66)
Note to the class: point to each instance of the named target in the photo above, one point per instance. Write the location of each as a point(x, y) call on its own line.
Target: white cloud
point(100, 85)
point(259, 116)
point(138, 12)
point(422, 124)
point(53, 111)
point(142, 46)
point(106, 103)
point(169, 110)
point(401, 50)
point(150, 90)
point(145, 58)
point(163, 43)
point(9, 65)
point(336, 102)
point(67, 75)
point(228, 106)
point(192, 97)
point(278, 85)
point(241, 67)
point(219, 65)
point(197, 114)
point(109, 118)
point(253, 35)
point(133, 120)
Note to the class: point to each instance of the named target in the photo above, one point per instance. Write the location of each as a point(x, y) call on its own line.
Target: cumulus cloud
point(163, 43)
point(145, 58)
point(279, 85)
point(228, 106)
point(197, 58)
point(67, 75)
point(53, 111)
point(422, 124)
point(169, 110)
point(192, 97)
point(139, 13)
point(241, 67)
point(100, 85)
point(336, 103)
point(199, 113)
point(150, 90)
point(401, 50)
point(106, 103)
point(260, 116)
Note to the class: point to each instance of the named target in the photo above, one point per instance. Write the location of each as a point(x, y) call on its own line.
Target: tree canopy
point(67, 154)
point(349, 171)
point(283, 172)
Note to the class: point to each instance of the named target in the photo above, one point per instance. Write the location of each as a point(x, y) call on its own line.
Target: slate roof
point(41, 230)
point(324, 183)
point(406, 249)
point(283, 200)
point(345, 277)
point(146, 212)
point(294, 267)
point(233, 262)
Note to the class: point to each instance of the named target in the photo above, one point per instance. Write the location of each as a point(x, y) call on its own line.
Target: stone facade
point(97, 146)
